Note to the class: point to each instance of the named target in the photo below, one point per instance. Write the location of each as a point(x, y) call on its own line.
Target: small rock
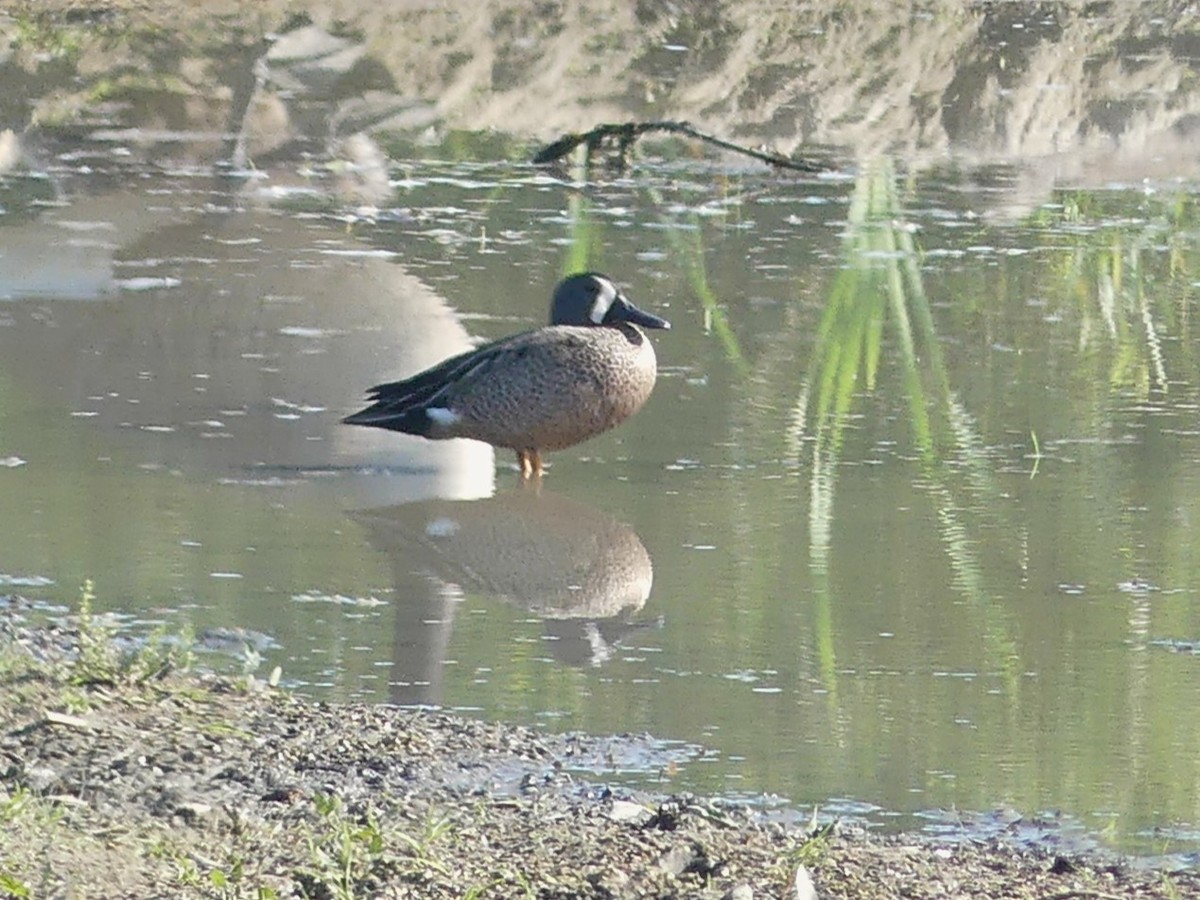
point(192, 811)
point(669, 815)
point(39, 778)
point(676, 860)
point(739, 892)
point(802, 885)
point(628, 811)
point(285, 794)
point(613, 883)
point(1062, 866)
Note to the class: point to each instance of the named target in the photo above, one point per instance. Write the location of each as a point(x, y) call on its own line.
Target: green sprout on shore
point(39, 34)
point(101, 660)
point(815, 847)
point(342, 852)
point(12, 886)
point(350, 855)
point(21, 812)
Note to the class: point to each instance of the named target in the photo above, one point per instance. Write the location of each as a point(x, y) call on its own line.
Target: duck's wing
point(400, 405)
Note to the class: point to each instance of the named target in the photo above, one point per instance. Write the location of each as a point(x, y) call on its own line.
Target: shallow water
point(906, 526)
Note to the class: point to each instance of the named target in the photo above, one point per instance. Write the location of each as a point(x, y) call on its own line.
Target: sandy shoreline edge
point(138, 781)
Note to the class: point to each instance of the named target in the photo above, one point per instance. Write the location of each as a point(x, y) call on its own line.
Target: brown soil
point(117, 784)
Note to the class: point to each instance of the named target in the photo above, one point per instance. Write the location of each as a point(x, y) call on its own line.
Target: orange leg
point(530, 462)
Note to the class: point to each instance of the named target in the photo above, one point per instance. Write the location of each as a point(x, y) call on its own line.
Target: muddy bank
point(1094, 87)
point(124, 777)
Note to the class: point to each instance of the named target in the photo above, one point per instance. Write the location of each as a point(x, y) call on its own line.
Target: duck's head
point(592, 299)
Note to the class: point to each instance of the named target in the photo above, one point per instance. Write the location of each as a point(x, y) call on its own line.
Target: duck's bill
point(624, 311)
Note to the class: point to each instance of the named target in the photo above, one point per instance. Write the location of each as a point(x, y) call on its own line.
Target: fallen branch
point(625, 133)
point(57, 718)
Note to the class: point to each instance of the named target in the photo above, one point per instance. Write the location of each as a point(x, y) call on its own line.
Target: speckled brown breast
point(560, 386)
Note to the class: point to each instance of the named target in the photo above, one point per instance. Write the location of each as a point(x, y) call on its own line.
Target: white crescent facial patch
point(604, 300)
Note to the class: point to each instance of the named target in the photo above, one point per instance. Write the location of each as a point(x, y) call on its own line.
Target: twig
point(57, 718)
point(628, 132)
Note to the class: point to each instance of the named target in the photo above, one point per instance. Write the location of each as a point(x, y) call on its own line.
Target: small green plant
point(342, 852)
point(231, 879)
point(75, 700)
point(159, 655)
point(99, 659)
point(12, 886)
point(40, 35)
point(523, 881)
point(348, 854)
point(419, 848)
point(231, 884)
point(477, 891)
point(22, 804)
point(14, 666)
point(815, 847)
point(12, 805)
point(22, 811)
point(228, 880)
point(186, 871)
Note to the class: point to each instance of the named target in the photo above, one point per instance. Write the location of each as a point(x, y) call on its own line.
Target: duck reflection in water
point(577, 568)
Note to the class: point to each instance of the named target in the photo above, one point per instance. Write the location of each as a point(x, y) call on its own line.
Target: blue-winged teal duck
point(590, 369)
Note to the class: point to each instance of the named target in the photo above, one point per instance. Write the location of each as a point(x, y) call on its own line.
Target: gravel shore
point(122, 777)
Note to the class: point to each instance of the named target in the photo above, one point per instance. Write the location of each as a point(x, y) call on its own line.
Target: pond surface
point(906, 530)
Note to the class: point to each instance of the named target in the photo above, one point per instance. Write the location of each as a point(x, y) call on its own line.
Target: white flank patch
point(146, 284)
point(442, 416)
point(442, 527)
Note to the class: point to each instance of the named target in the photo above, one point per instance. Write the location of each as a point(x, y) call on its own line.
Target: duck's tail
point(395, 416)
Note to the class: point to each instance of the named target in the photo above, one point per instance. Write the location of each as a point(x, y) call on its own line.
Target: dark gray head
point(592, 299)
